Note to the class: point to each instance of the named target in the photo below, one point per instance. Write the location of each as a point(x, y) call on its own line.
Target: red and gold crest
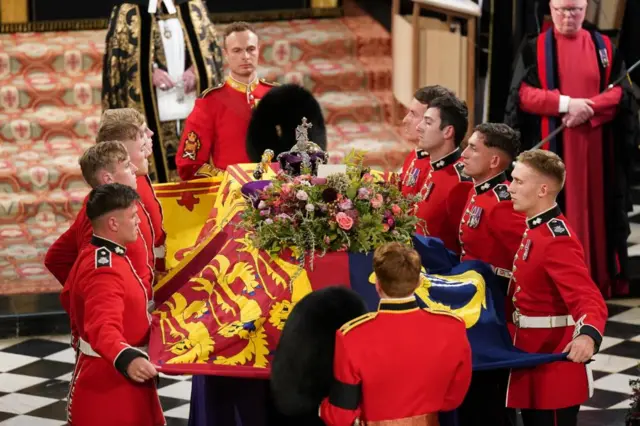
point(191, 146)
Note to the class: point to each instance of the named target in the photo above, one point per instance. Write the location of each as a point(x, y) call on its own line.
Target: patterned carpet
point(50, 109)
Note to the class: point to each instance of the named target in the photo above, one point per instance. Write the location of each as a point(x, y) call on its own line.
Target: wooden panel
point(442, 59)
point(13, 11)
point(603, 13)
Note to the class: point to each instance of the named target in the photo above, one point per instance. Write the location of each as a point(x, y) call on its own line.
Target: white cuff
point(564, 104)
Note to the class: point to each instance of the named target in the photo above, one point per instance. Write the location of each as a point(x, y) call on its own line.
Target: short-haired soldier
point(106, 300)
point(382, 372)
point(104, 163)
point(557, 306)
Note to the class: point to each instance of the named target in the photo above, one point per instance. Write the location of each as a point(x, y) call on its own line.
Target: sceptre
point(563, 126)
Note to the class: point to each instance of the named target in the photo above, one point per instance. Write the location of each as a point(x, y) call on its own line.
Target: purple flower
point(346, 204)
point(268, 221)
point(363, 194)
point(265, 212)
point(310, 207)
point(302, 196)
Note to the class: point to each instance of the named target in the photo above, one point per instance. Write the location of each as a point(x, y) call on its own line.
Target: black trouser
point(560, 417)
point(485, 401)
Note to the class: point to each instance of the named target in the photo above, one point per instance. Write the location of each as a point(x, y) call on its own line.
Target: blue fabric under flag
point(468, 289)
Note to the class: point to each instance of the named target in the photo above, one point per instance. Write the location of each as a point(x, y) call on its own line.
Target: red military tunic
point(215, 132)
point(107, 302)
point(153, 211)
point(490, 230)
point(550, 279)
point(64, 252)
point(415, 169)
point(444, 194)
point(398, 363)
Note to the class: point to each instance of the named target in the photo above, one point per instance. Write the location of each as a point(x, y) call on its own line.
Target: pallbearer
point(558, 307)
point(446, 187)
point(383, 374)
point(491, 231)
point(112, 382)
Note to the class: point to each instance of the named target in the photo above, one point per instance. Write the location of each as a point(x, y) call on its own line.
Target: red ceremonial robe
point(594, 197)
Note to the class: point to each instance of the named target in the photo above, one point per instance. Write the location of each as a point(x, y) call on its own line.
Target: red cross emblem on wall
point(9, 97)
point(281, 52)
point(83, 97)
point(20, 129)
point(72, 60)
point(93, 126)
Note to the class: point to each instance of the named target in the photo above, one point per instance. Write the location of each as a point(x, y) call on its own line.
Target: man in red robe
point(215, 131)
point(561, 78)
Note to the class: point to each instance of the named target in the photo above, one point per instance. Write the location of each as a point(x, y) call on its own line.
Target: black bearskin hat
point(275, 118)
point(302, 367)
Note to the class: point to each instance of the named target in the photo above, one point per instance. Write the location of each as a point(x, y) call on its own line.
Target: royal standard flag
point(223, 307)
point(185, 209)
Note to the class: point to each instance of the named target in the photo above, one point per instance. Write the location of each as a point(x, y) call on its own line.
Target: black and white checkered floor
point(35, 373)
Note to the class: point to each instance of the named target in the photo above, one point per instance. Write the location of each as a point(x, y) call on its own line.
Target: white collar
point(153, 6)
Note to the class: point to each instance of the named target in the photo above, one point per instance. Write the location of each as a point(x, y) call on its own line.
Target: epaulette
point(502, 192)
point(103, 257)
point(211, 89)
point(441, 312)
point(270, 83)
point(461, 175)
point(357, 321)
point(558, 228)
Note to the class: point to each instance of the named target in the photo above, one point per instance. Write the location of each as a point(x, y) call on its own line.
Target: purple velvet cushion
point(251, 190)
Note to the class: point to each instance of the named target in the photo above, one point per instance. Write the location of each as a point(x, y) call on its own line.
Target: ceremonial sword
point(563, 126)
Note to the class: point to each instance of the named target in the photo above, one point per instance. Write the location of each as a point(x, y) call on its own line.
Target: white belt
point(523, 321)
point(86, 348)
point(159, 252)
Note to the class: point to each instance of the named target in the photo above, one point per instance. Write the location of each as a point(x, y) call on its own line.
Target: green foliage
point(354, 212)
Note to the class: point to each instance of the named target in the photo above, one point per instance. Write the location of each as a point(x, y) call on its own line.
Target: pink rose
point(396, 209)
point(286, 188)
point(385, 227)
point(344, 221)
point(376, 202)
point(367, 178)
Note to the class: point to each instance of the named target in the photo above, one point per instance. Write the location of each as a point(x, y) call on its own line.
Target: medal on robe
point(427, 190)
point(167, 33)
point(527, 247)
point(413, 177)
point(474, 216)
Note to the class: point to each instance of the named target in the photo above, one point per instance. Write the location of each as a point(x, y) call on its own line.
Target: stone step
point(39, 89)
point(42, 165)
point(64, 53)
point(281, 42)
point(17, 127)
point(36, 89)
point(358, 107)
point(349, 75)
